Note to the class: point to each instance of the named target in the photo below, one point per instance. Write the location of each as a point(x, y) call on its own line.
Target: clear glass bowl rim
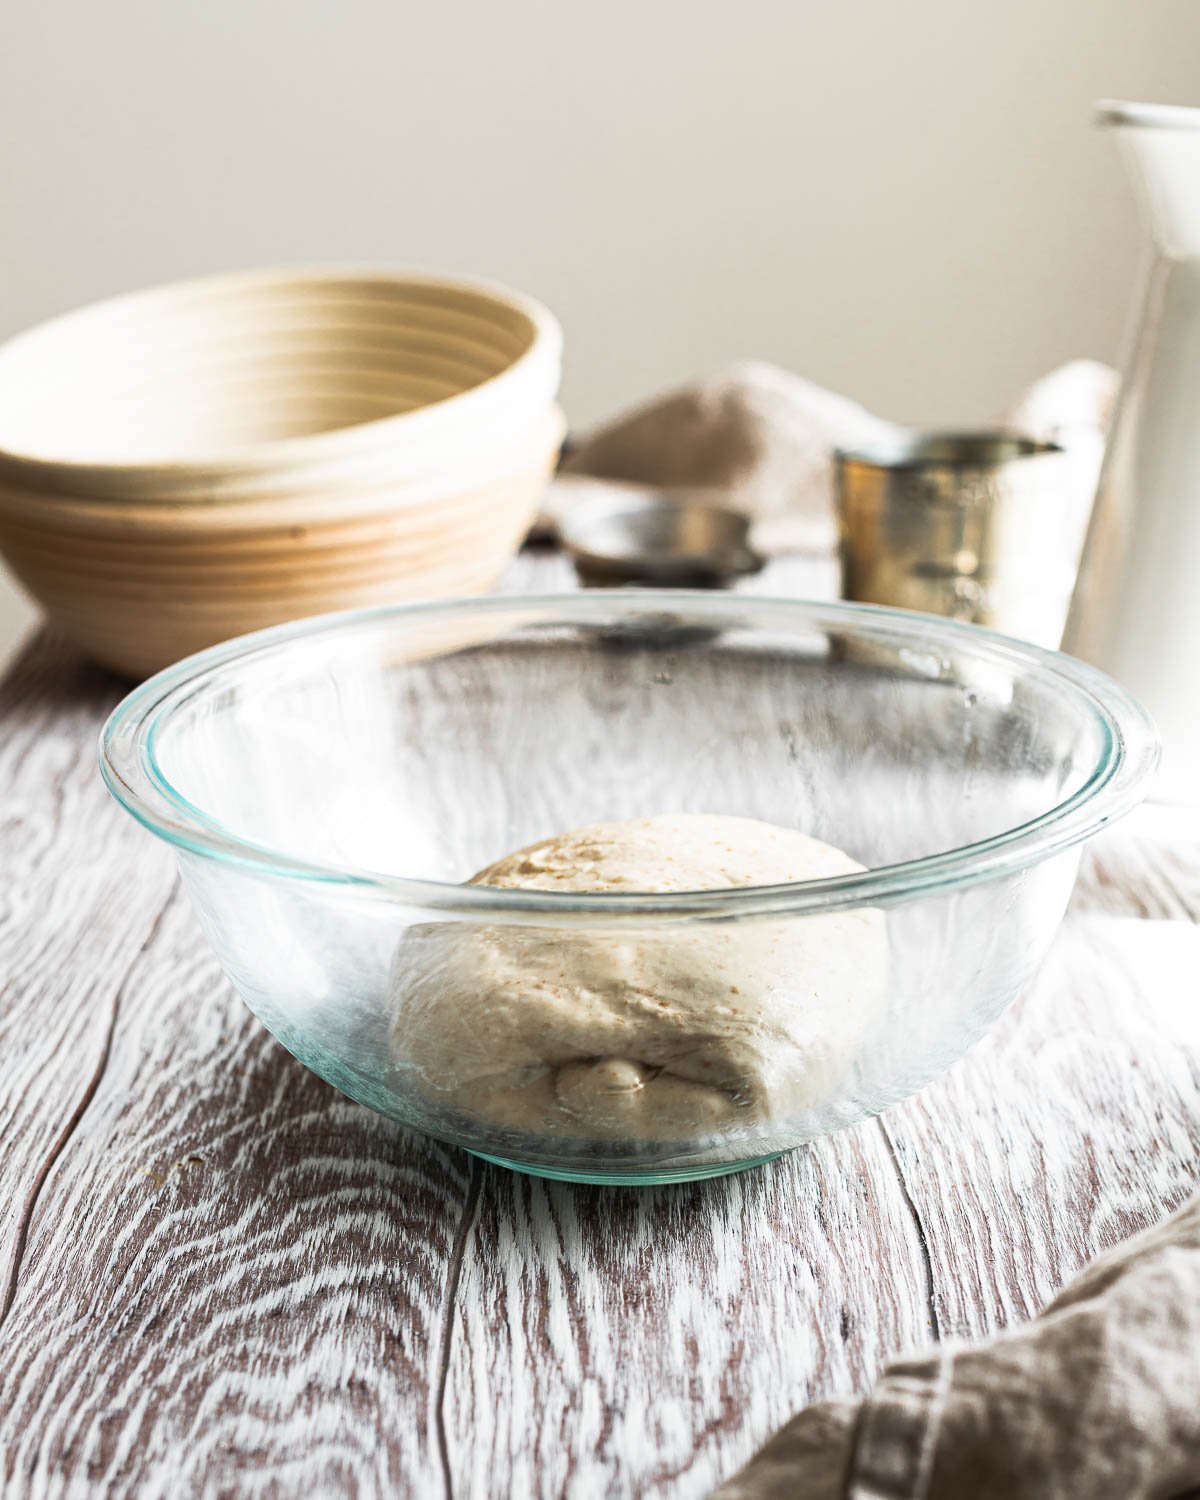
point(1117, 782)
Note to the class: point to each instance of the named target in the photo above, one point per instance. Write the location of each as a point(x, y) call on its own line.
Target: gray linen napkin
point(1098, 1398)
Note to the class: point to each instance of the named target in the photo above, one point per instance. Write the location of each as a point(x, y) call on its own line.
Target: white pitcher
point(1136, 610)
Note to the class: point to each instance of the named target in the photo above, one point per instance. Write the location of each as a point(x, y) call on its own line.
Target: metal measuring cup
point(980, 526)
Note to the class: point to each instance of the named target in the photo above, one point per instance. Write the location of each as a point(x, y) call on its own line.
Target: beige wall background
point(904, 202)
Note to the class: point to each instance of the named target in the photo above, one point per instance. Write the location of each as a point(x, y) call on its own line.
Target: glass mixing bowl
point(328, 786)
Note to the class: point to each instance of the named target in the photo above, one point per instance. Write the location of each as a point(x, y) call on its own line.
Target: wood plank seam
point(466, 1225)
point(71, 1124)
point(918, 1224)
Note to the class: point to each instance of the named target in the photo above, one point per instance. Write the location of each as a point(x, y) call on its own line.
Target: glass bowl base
point(658, 1177)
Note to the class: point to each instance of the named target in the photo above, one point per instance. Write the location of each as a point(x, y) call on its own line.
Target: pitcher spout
point(1161, 143)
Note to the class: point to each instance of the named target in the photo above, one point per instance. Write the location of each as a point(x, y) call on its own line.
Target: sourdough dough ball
point(601, 1033)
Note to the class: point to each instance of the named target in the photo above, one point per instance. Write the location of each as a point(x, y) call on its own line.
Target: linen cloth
point(1098, 1398)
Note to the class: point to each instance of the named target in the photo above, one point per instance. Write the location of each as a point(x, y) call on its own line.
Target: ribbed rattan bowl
point(186, 464)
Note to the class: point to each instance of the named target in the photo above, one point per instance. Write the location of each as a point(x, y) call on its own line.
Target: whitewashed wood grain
point(235, 1277)
point(228, 1280)
point(1057, 1141)
point(613, 1343)
point(73, 920)
point(1077, 1122)
point(221, 1277)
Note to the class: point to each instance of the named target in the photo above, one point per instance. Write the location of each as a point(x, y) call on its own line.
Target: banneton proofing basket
point(168, 392)
point(327, 787)
point(193, 462)
point(137, 587)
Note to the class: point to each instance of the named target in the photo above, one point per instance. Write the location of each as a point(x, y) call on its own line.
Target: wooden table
point(220, 1277)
